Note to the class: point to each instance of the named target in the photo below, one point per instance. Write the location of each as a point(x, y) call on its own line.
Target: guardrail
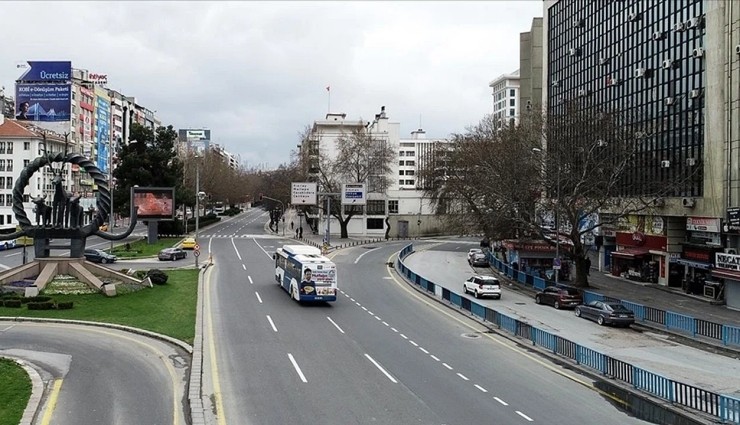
point(691, 326)
point(722, 407)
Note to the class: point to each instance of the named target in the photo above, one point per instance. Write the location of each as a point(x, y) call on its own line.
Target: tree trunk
point(582, 271)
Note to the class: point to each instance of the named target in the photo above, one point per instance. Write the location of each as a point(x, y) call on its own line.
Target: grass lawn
point(167, 309)
point(141, 248)
point(14, 392)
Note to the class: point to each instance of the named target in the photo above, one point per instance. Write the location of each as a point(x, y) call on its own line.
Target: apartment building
point(674, 66)
point(506, 98)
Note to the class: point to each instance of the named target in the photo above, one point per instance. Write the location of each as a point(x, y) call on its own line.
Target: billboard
point(303, 193)
point(46, 71)
point(102, 132)
point(353, 194)
point(196, 139)
point(46, 105)
point(154, 203)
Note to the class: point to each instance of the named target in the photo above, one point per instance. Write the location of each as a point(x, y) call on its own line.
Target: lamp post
point(197, 206)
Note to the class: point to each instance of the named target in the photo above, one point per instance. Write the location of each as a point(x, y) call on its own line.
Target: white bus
point(305, 274)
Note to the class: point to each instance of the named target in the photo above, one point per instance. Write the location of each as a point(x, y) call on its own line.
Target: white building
point(506, 97)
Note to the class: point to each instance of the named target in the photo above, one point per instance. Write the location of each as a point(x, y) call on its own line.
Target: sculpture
point(59, 202)
point(43, 211)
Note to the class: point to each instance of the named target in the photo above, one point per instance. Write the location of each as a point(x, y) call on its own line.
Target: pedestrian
point(588, 266)
point(300, 232)
point(296, 233)
point(291, 225)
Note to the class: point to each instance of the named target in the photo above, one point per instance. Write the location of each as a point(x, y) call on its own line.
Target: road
point(381, 354)
point(101, 376)
point(447, 264)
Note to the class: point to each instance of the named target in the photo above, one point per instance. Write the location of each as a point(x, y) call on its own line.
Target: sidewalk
point(317, 240)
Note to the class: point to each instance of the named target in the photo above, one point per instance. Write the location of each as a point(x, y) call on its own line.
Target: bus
point(219, 208)
point(305, 274)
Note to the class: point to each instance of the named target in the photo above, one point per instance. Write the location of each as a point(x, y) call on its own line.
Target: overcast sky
point(256, 73)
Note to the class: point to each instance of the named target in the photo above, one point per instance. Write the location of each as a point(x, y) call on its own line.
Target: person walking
point(291, 225)
point(300, 232)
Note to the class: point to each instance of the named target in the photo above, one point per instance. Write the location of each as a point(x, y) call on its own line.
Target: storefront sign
point(658, 225)
point(694, 255)
point(703, 224)
point(733, 220)
point(639, 239)
point(517, 246)
point(727, 261)
point(673, 256)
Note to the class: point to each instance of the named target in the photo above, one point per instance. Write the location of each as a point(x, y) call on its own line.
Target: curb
point(37, 390)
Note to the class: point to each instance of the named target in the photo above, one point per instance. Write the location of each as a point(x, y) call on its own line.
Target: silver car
point(606, 313)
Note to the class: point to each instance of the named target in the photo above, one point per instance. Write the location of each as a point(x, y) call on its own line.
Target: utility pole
point(328, 212)
point(197, 206)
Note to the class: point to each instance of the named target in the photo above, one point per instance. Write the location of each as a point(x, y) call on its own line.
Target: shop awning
point(694, 264)
point(726, 274)
point(630, 253)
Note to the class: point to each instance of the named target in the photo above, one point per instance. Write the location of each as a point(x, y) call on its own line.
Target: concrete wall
point(530, 64)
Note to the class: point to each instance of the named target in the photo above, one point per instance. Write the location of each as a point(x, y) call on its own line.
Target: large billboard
point(154, 203)
point(46, 105)
point(46, 71)
point(196, 139)
point(102, 133)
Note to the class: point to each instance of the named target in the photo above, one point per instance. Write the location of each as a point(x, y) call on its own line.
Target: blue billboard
point(43, 102)
point(102, 133)
point(42, 71)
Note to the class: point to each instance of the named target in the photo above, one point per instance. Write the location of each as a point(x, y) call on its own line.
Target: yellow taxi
point(188, 243)
point(104, 227)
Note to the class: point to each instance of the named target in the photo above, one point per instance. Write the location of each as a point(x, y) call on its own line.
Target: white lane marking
point(404, 336)
point(269, 319)
point(236, 250)
point(436, 359)
point(351, 299)
point(413, 343)
point(388, 375)
point(334, 323)
point(378, 318)
point(258, 297)
point(244, 267)
point(364, 308)
point(463, 376)
point(394, 329)
point(250, 280)
point(260, 246)
point(423, 350)
point(524, 416)
point(481, 388)
point(357, 260)
point(370, 313)
point(447, 366)
point(385, 323)
point(501, 401)
point(345, 294)
point(297, 368)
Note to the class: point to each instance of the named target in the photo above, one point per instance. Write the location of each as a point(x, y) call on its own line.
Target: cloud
point(255, 72)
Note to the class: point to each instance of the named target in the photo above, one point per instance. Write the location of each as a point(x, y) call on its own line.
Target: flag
point(328, 88)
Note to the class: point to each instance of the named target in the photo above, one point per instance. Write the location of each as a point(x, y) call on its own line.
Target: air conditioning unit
point(688, 202)
point(695, 93)
point(698, 52)
point(574, 51)
point(668, 64)
point(577, 23)
point(659, 202)
point(601, 143)
point(615, 81)
point(665, 163)
point(694, 23)
point(640, 72)
point(691, 161)
point(670, 100)
point(737, 49)
point(658, 35)
point(732, 251)
point(633, 16)
point(555, 83)
point(679, 26)
point(604, 61)
point(583, 92)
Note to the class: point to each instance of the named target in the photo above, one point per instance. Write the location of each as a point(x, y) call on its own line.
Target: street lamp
point(198, 195)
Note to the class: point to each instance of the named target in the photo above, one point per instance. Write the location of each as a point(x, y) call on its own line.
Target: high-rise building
point(530, 66)
point(506, 98)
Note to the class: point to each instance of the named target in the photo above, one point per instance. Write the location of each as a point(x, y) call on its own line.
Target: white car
point(481, 286)
point(473, 253)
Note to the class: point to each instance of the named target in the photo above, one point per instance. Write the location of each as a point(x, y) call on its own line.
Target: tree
point(361, 157)
point(147, 160)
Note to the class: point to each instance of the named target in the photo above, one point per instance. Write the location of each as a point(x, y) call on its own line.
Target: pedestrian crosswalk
point(245, 236)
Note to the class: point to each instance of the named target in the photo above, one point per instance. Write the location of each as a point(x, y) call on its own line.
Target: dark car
point(606, 313)
point(559, 296)
point(171, 254)
point(99, 256)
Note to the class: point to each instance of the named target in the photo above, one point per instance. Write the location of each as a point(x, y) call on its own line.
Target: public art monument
point(60, 226)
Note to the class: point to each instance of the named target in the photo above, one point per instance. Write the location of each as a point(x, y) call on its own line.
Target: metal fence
point(724, 408)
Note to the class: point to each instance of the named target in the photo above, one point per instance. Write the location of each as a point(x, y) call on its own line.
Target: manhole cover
point(471, 336)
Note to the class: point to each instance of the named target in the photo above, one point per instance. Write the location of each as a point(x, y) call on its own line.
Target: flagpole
point(328, 89)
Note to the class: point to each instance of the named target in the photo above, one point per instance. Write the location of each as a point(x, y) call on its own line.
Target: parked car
point(476, 257)
point(481, 286)
point(606, 313)
point(561, 296)
point(171, 254)
point(188, 243)
point(99, 256)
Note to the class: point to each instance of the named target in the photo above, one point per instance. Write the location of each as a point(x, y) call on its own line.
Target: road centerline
point(388, 375)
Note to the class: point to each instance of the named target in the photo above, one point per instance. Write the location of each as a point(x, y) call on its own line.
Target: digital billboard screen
point(154, 203)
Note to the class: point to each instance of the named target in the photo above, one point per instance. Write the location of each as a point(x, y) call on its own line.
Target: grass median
point(140, 248)
point(15, 392)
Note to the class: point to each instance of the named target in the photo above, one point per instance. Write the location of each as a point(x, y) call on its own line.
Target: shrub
point(12, 303)
point(36, 299)
point(65, 305)
point(44, 305)
point(158, 277)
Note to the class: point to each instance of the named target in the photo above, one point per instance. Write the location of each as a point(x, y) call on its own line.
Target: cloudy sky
point(256, 73)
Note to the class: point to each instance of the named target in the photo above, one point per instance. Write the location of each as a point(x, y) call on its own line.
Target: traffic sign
point(556, 264)
point(196, 247)
point(196, 253)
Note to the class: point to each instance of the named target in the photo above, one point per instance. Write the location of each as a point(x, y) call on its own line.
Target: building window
point(9, 182)
point(410, 182)
point(512, 93)
point(10, 148)
point(409, 153)
point(375, 207)
point(401, 153)
point(2, 147)
point(2, 219)
point(10, 165)
point(2, 165)
point(9, 199)
point(400, 182)
point(400, 173)
point(412, 163)
point(375, 224)
point(2, 182)
point(26, 162)
point(512, 102)
point(9, 219)
point(392, 207)
point(409, 172)
point(400, 162)
point(512, 112)
point(26, 146)
point(353, 209)
point(26, 198)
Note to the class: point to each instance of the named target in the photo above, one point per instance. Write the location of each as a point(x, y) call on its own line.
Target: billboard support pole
point(111, 219)
point(197, 205)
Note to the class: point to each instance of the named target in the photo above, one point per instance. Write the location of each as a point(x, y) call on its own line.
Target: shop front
point(726, 273)
point(534, 258)
point(703, 241)
point(640, 257)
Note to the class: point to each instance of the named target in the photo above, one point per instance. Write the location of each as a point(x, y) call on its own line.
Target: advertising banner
point(47, 105)
point(353, 194)
point(703, 224)
point(43, 71)
point(154, 203)
point(102, 133)
point(727, 261)
point(303, 193)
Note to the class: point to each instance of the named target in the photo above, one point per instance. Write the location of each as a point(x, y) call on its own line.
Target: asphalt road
point(381, 354)
point(447, 264)
point(101, 376)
